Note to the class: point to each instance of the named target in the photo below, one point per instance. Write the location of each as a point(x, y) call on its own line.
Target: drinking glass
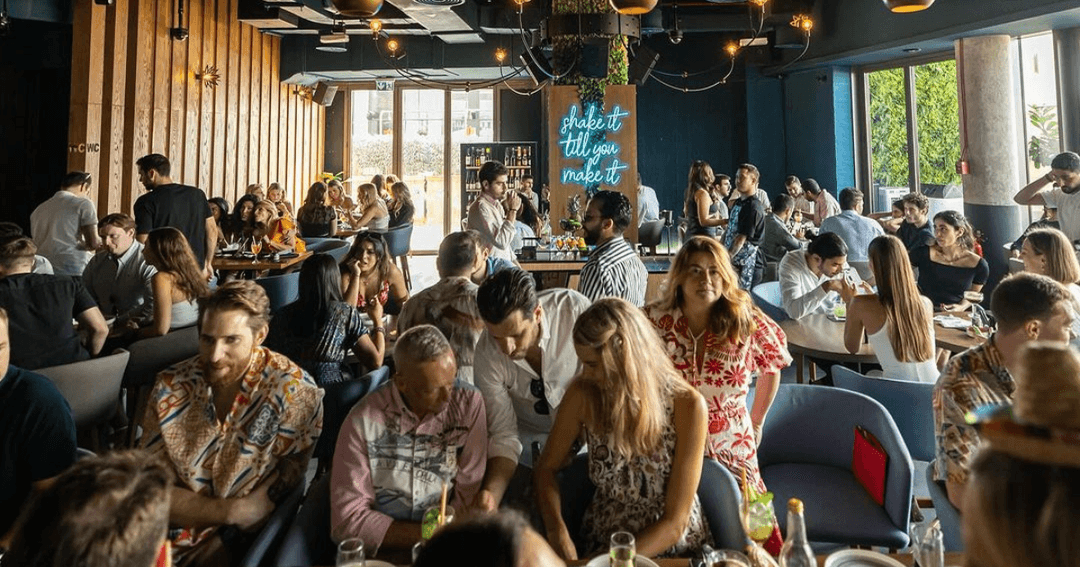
point(432, 522)
point(350, 553)
point(256, 247)
point(760, 518)
point(622, 549)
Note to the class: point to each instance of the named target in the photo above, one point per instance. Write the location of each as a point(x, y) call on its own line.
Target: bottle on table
point(796, 551)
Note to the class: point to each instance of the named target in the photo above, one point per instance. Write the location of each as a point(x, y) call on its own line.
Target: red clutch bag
point(869, 463)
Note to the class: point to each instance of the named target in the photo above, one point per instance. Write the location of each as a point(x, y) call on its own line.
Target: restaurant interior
point(964, 101)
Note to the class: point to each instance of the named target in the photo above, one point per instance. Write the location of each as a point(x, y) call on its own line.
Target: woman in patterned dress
point(718, 339)
point(645, 428)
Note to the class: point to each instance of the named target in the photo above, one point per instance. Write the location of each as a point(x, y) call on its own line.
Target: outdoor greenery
point(1043, 144)
point(937, 120)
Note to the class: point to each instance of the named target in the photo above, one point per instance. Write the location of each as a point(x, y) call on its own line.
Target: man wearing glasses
point(524, 362)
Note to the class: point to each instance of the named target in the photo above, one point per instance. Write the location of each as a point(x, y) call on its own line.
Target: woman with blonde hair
point(700, 209)
point(178, 284)
point(1048, 252)
point(718, 339)
point(645, 428)
point(275, 193)
point(1020, 501)
point(371, 210)
point(897, 320)
point(401, 205)
point(277, 234)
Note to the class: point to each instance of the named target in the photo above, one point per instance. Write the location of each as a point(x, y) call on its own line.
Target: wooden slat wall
point(139, 95)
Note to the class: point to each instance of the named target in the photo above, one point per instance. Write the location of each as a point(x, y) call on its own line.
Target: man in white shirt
point(1065, 177)
point(486, 214)
point(524, 362)
point(64, 228)
point(808, 278)
point(119, 277)
point(854, 229)
point(825, 204)
point(648, 207)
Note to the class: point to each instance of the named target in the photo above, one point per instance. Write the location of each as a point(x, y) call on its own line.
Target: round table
point(819, 337)
point(955, 340)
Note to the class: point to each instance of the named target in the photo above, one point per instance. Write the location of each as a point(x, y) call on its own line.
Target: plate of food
point(860, 558)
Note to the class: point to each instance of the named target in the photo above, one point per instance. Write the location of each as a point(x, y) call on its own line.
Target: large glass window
point(888, 136)
point(372, 135)
point(1039, 88)
point(472, 120)
point(937, 123)
point(423, 162)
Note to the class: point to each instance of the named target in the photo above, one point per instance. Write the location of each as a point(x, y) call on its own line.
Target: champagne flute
point(256, 247)
point(622, 549)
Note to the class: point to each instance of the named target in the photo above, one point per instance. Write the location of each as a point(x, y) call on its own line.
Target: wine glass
point(622, 549)
point(256, 247)
point(350, 553)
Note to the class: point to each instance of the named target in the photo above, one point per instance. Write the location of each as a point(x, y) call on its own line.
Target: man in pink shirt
point(402, 442)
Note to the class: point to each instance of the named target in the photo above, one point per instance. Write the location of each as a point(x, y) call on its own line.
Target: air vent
point(440, 2)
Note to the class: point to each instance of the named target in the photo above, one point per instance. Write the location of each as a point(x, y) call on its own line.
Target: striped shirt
point(614, 270)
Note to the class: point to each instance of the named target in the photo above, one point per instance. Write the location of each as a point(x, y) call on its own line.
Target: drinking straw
point(442, 504)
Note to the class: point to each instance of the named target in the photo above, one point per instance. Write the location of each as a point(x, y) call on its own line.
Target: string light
point(500, 55)
point(802, 22)
point(376, 26)
point(392, 45)
point(731, 48)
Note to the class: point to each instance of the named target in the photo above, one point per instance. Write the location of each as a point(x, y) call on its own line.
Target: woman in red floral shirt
point(719, 339)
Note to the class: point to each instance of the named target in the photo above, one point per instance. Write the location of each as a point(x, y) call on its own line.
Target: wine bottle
point(796, 551)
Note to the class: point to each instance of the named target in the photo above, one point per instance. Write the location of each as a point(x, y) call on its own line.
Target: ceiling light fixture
point(907, 6)
point(632, 7)
point(802, 22)
point(500, 55)
point(376, 26)
point(356, 8)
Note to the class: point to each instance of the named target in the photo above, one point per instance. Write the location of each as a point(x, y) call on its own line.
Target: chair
point(333, 246)
point(338, 400)
point(717, 490)
point(650, 234)
point(806, 452)
point(91, 388)
point(399, 245)
point(951, 527)
point(767, 297)
point(307, 541)
point(268, 540)
point(148, 357)
point(282, 290)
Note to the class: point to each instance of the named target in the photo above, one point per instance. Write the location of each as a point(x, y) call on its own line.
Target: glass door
point(423, 162)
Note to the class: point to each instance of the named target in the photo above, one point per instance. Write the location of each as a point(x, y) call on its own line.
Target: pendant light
point(907, 6)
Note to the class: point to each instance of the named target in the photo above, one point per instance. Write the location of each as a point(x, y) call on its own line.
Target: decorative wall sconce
point(304, 92)
point(208, 76)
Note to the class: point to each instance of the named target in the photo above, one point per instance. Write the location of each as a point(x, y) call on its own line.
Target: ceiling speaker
point(594, 58)
point(324, 93)
point(641, 65)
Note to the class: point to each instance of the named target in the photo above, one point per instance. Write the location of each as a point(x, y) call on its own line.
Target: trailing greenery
point(937, 116)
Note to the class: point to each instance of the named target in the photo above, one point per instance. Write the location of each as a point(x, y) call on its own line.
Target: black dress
point(944, 284)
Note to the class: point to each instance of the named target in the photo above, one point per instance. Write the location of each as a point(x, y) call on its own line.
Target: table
point(231, 264)
point(954, 340)
point(820, 337)
point(951, 559)
point(559, 273)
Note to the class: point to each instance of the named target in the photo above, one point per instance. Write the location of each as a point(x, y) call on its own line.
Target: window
point(914, 133)
point(406, 132)
point(1038, 95)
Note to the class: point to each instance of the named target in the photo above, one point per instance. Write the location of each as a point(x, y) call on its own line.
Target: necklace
point(693, 349)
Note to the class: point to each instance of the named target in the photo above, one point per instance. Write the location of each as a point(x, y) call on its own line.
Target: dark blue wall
point(818, 126)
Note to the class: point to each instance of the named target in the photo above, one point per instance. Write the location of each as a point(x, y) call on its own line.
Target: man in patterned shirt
point(237, 424)
point(1028, 307)
point(613, 269)
point(403, 442)
point(450, 304)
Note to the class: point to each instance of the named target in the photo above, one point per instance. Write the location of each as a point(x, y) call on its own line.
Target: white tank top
point(925, 371)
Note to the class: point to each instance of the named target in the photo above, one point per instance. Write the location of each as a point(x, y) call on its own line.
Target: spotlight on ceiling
point(907, 6)
point(675, 35)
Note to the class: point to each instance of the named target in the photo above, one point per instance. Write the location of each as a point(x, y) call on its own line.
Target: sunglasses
point(536, 388)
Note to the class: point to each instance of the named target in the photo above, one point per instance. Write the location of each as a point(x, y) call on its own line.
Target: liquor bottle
point(796, 551)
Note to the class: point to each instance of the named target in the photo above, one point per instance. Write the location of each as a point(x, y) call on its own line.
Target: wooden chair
point(92, 389)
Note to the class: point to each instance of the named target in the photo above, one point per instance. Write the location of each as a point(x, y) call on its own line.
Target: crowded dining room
point(539, 283)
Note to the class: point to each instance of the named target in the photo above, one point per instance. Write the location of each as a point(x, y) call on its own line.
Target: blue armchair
point(338, 400)
point(282, 290)
point(767, 297)
point(271, 534)
point(948, 514)
point(806, 453)
point(307, 541)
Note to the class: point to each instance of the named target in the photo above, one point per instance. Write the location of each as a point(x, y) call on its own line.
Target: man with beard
point(523, 367)
point(1065, 177)
point(613, 269)
point(237, 424)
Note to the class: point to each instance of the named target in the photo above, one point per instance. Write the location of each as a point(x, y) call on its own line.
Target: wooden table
point(954, 340)
point(232, 264)
point(558, 273)
point(951, 560)
point(819, 337)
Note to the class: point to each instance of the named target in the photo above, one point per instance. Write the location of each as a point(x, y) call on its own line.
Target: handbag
point(869, 463)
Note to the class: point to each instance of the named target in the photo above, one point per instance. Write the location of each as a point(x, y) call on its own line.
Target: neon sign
point(582, 135)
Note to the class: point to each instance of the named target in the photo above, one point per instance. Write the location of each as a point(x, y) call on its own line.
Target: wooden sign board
point(578, 157)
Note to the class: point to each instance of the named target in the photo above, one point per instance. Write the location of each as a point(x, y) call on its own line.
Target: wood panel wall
point(134, 92)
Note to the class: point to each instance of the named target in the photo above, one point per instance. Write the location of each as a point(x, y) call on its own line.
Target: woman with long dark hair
point(702, 213)
point(949, 266)
point(368, 274)
point(316, 217)
point(241, 216)
point(319, 328)
point(897, 320)
point(178, 283)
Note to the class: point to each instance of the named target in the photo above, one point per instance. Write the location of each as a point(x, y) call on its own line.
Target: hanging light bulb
point(392, 45)
point(500, 55)
point(376, 26)
point(759, 3)
point(802, 22)
point(731, 49)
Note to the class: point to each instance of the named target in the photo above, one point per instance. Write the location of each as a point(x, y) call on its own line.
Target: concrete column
point(987, 112)
point(1067, 50)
